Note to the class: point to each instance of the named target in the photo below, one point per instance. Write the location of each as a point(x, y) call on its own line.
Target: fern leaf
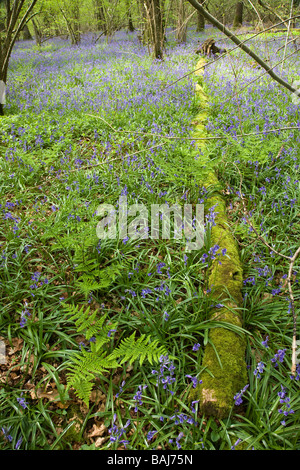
point(85, 365)
point(83, 389)
point(131, 349)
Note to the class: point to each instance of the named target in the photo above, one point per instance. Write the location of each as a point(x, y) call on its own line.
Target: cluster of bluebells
point(238, 397)
point(116, 433)
point(194, 380)
point(165, 373)
point(180, 418)
point(8, 437)
point(178, 438)
point(22, 402)
point(279, 356)
point(210, 218)
point(284, 400)
point(259, 370)
point(25, 314)
point(37, 282)
point(138, 397)
point(213, 252)
point(15, 219)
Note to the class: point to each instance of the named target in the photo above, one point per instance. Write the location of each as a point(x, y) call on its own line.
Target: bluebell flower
point(110, 333)
point(194, 380)
point(150, 435)
point(19, 442)
point(166, 316)
point(138, 396)
point(279, 356)
point(238, 396)
point(192, 405)
point(235, 444)
point(259, 369)
point(22, 402)
point(6, 434)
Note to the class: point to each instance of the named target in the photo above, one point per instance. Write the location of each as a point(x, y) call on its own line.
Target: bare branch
point(229, 52)
point(241, 45)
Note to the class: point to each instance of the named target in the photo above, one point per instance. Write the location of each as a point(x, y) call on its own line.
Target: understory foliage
point(89, 363)
point(105, 337)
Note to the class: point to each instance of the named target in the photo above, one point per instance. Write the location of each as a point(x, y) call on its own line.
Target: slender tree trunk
point(200, 19)
point(144, 26)
point(26, 33)
point(181, 23)
point(15, 21)
point(75, 36)
point(130, 23)
point(200, 22)
point(238, 19)
point(154, 16)
point(37, 33)
point(100, 16)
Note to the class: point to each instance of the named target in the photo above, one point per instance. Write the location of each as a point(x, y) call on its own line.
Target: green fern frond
point(86, 285)
point(101, 336)
point(131, 349)
point(89, 323)
point(85, 365)
point(97, 279)
point(83, 389)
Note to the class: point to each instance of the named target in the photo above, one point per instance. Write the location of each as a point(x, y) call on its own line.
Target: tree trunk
point(154, 17)
point(130, 23)
point(238, 19)
point(100, 16)
point(181, 23)
point(37, 34)
point(26, 33)
point(15, 21)
point(144, 36)
point(3, 76)
point(200, 22)
point(75, 27)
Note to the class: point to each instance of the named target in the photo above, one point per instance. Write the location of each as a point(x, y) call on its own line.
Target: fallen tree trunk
point(224, 357)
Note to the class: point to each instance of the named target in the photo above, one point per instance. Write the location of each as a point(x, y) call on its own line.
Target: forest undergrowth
point(104, 338)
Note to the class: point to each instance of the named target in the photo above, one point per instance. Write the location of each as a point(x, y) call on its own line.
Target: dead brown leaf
point(98, 430)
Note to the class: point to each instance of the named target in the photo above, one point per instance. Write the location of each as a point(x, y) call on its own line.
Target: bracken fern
point(86, 365)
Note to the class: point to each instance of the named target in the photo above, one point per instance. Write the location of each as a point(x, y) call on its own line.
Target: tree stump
point(209, 48)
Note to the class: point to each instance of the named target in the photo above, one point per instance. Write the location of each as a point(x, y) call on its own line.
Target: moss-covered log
point(224, 356)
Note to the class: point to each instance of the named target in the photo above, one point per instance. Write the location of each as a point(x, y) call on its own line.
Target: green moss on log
point(224, 357)
point(225, 372)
